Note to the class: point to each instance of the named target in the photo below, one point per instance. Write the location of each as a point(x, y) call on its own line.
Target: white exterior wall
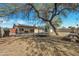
point(38, 30)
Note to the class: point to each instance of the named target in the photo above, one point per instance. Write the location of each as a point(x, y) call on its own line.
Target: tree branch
point(54, 28)
point(55, 11)
point(53, 15)
point(62, 10)
point(11, 12)
point(55, 8)
point(38, 12)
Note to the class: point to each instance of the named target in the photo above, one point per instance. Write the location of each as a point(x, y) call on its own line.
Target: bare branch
point(37, 13)
point(62, 10)
point(55, 11)
point(11, 12)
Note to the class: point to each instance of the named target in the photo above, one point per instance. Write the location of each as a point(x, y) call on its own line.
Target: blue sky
point(71, 20)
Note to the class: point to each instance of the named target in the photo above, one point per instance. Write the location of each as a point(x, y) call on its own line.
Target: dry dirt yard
point(37, 46)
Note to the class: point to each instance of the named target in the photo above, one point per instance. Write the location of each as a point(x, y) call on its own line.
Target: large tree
point(45, 11)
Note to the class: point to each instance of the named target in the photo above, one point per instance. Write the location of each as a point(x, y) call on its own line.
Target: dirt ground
point(37, 46)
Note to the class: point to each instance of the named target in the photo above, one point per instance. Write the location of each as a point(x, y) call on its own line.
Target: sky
point(70, 20)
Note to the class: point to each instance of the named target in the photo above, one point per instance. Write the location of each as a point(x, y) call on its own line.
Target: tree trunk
point(54, 28)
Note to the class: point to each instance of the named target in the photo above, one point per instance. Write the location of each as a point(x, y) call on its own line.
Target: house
point(22, 29)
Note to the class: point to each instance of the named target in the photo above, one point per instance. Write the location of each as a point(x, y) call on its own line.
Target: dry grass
point(40, 46)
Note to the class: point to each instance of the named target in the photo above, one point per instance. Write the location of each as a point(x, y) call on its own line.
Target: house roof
point(26, 26)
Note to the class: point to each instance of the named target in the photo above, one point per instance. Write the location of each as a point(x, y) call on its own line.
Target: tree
point(57, 21)
point(45, 12)
point(47, 26)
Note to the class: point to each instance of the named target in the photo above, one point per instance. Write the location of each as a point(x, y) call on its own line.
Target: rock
point(73, 40)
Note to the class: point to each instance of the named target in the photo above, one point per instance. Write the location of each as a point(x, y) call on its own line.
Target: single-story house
point(21, 29)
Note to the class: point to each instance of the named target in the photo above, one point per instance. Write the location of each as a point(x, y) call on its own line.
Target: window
point(21, 29)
